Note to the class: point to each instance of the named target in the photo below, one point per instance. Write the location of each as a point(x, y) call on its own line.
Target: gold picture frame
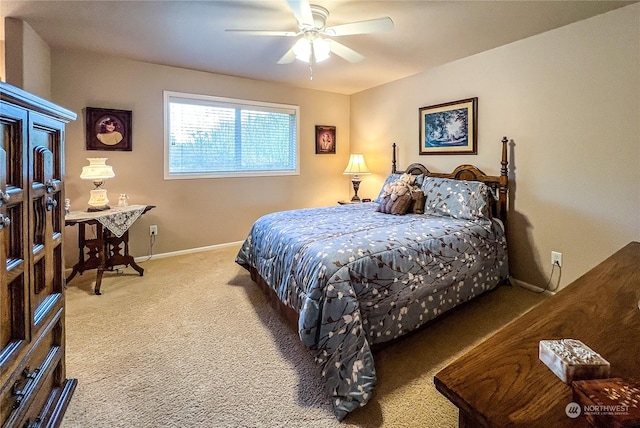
point(450, 128)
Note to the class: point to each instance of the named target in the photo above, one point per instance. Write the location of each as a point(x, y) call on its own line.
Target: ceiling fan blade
point(362, 27)
point(263, 33)
point(302, 11)
point(345, 52)
point(288, 57)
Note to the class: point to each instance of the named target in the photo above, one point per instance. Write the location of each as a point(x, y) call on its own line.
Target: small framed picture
point(108, 129)
point(325, 139)
point(449, 128)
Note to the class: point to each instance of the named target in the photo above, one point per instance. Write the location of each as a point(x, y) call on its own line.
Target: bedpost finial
point(393, 159)
point(504, 182)
point(504, 161)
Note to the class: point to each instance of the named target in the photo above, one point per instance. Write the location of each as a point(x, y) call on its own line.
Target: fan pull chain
point(312, 60)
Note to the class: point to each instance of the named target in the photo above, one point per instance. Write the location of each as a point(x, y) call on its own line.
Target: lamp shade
point(97, 170)
point(356, 165)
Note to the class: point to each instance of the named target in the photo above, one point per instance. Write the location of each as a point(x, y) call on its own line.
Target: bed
point(351, 277)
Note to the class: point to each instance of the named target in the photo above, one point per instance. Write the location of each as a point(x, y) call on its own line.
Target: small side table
point(110, 247)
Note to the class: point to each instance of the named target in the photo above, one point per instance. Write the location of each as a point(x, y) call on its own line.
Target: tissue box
point(570, 360)
point(609, 403)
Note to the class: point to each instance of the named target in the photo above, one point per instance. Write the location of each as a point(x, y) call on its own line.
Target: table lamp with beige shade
point(355, 167)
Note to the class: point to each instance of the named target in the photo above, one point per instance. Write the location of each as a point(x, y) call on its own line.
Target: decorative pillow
point(398, 206)
point(468, 200)
point(419, 199)
point(394, 177)
point(401, 197)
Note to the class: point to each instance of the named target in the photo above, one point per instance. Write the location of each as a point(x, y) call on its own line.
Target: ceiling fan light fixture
point(316, 43)
point(308, 46)
point(321, 49)
point(302, 50)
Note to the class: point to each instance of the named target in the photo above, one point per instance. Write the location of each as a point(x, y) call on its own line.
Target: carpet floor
point(194, 343)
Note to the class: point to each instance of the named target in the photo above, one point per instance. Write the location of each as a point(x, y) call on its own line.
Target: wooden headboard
point(499, 184)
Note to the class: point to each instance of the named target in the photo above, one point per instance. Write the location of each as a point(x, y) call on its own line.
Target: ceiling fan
point(315, 43)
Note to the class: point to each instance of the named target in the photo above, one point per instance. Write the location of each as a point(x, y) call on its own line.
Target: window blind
point(220, 137)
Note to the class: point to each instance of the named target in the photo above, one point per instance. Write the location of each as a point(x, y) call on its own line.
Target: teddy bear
point(401, 195)
point(399, 187)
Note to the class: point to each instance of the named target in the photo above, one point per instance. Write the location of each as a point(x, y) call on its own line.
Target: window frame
point(168, 96)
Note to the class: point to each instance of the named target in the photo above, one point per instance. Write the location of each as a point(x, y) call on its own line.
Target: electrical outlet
point(556, 258)
point(153, 230)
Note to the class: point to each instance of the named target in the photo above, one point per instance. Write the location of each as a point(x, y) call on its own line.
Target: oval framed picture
point(108, 129)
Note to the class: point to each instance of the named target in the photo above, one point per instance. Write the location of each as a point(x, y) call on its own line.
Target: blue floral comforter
point(358, 277)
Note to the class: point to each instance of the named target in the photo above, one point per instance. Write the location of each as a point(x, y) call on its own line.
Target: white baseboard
point(188, 251)
point(173, 253)
point(531, 287)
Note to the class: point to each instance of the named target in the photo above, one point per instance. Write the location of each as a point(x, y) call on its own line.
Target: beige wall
point(190, 213)
point(569, 100)
point(29, 63)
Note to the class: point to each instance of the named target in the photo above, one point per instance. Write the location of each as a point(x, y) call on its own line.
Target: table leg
point(118, 251)
point(74, 272)
point(102, 235)
point(96, 289)
point(89, 252)
point(137, 267)
point(78, 266)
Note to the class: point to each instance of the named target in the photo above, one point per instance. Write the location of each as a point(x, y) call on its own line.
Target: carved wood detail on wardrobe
point(34, 389)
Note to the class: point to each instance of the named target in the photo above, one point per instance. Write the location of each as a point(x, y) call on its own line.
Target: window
point(212, 137)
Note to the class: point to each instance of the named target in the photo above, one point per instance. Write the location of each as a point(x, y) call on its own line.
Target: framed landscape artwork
point(108, 129)
point(449, 128)
point(325, 139)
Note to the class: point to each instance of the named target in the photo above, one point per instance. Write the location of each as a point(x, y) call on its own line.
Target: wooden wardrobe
point(34, 390)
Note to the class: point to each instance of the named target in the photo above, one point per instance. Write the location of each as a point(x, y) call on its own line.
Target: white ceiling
point(191, 34)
